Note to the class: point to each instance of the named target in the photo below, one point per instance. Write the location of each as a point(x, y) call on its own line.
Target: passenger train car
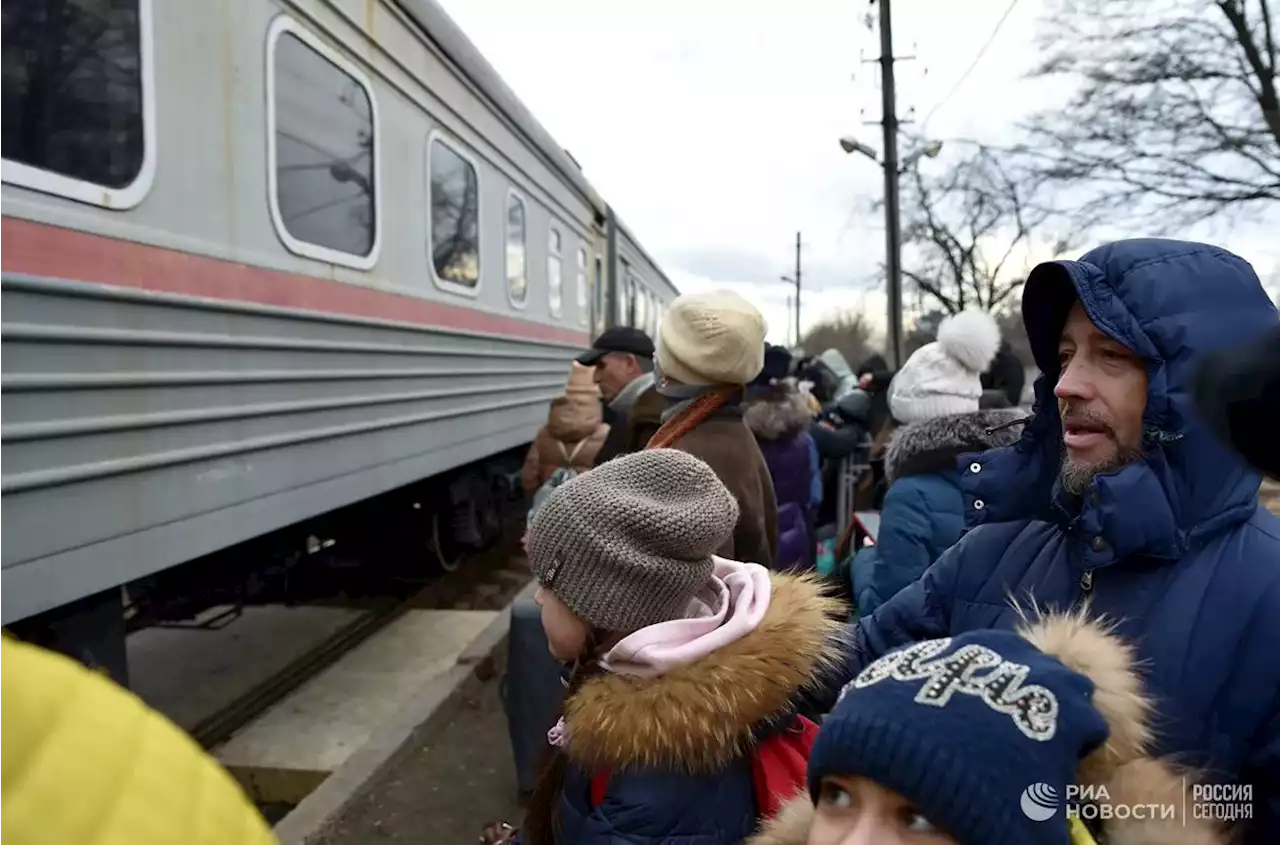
point(267, 260)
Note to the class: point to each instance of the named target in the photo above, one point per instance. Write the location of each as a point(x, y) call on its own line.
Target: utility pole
point(892, 228)
point(798, 335)
point(789, 343)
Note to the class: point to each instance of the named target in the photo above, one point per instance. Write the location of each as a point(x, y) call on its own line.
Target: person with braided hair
point(679, 721)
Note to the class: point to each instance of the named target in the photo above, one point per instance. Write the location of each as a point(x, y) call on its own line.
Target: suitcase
point(532, 691)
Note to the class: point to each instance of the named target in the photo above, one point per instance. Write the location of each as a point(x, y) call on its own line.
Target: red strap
point(778, 768)
point(779, 765)
point(599, 784)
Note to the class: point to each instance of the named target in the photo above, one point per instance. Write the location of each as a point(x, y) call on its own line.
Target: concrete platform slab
point(292, 747)
point(191, 674)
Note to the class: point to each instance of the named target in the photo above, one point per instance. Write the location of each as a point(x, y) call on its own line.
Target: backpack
point(562, 474)
point(779, 767)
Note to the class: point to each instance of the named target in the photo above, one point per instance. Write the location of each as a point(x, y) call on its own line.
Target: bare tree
point(1176, 117)
point(849, 334)
point(965, 226)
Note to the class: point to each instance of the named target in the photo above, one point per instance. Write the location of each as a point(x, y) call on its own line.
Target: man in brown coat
point(709, 347)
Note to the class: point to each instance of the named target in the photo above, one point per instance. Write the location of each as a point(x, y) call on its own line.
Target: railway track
point(486, 581)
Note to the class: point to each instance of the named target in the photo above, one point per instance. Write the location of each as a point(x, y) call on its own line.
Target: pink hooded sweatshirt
point(729, 607)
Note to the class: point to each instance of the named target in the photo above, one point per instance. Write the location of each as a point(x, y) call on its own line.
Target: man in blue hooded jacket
point(1118, 495)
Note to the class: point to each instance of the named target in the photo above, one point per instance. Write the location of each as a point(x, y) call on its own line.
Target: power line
point(981, 52)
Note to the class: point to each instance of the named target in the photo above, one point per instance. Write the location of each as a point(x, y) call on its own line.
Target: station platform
point(288, 751)
point(191, 673)
point(459, 777)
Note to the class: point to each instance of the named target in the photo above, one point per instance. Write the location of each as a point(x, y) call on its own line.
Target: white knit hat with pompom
point(943, 377)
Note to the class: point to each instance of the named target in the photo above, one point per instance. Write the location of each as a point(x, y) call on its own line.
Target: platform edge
point(437, 700)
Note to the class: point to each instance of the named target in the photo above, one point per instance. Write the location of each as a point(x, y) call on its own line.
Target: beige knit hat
point(629, 543)
point(712, 338)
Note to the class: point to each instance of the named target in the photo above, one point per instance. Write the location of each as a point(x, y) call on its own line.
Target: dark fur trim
point(700, 716)
point(775, 417)
point(932, 446)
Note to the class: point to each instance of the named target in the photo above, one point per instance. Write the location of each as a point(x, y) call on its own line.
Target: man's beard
point(1076, 477)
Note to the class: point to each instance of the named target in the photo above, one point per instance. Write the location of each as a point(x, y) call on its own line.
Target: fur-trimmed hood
point(773, 417)
point(933, 445)
point(704, 714)
point(1121, 764)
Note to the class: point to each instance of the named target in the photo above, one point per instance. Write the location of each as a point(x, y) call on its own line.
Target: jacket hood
point(1121, 765)
point(836, 363)
point(701, 715)
point(777, 415)
point(574, 417)
point(932, 446)
point(1170, 302)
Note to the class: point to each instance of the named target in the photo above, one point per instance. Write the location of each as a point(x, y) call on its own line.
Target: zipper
point(1086, 580)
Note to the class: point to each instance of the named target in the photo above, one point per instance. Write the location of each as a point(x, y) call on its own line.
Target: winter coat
point(618, 413)
point(87, 761)
point(675, 745)
point(1173, 546)
point(779, 422)
point(573, 419)
point(923, 513)
point(725, 444)
point(644, 421)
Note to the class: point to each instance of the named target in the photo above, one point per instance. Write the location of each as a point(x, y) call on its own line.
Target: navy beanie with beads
point(962, 727)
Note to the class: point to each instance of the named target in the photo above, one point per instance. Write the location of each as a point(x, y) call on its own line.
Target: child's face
point(566, 633)
point(855, 811)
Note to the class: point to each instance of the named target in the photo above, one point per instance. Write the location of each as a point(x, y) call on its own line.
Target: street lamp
point(791, 281)
point(892, 231)
point(929, 150)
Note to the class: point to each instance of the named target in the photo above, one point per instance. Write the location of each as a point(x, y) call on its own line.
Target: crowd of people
point(1064, 631)
point(1067, 615)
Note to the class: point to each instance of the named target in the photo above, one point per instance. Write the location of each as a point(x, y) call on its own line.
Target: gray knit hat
point(629, 543)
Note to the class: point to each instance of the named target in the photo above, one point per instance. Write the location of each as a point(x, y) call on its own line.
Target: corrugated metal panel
point(141, 430)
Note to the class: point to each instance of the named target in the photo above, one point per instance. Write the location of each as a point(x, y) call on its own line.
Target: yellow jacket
point(84, 760)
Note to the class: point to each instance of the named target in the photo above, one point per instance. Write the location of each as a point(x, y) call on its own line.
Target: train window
point(78, 100)
point(454, 195)
point(321, 131)
point(517, 279)
point(584, 294)
point(554, 281)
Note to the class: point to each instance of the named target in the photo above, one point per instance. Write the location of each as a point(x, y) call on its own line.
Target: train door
point(622, 315)
point(641, 309)
point(598, 299)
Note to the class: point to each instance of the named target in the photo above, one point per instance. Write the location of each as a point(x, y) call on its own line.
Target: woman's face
point(855, 811)
point(566, 633)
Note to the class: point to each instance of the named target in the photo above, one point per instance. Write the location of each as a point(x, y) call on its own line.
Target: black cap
point(617, 339)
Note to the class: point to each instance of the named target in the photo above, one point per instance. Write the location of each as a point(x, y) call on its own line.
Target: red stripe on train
point(39, 249)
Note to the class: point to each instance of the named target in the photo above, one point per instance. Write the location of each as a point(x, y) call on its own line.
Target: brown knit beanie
point(629, 543)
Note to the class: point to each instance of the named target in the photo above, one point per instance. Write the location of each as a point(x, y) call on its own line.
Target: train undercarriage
point(366, 551)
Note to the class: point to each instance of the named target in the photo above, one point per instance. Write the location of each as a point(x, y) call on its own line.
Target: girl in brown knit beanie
point(678, 720)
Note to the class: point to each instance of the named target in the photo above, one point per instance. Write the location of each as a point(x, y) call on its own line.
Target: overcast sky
point(711, 126)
